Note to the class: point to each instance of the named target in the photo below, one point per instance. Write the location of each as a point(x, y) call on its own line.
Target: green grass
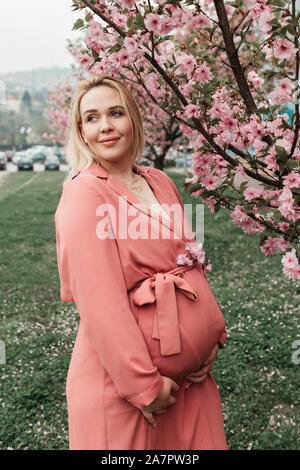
point(258, 382)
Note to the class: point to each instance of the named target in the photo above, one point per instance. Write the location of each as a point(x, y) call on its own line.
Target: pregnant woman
point(150, 327)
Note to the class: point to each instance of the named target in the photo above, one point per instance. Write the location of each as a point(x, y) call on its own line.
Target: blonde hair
point(78, 154)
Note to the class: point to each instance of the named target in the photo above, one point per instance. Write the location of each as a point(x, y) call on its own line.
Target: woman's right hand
point(163, 400)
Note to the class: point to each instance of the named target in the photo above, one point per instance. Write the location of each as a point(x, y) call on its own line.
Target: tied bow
point(160, 288)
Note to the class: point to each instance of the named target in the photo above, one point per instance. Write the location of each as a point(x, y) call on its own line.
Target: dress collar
point(98, 170)
point(154, 181)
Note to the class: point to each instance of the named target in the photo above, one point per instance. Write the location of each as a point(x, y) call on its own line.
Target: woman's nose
point(105, 123)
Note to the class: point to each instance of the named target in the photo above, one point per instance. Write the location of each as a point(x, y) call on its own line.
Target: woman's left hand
point(200, 375)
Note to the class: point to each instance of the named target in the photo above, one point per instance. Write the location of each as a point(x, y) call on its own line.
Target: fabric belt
point(160, 288)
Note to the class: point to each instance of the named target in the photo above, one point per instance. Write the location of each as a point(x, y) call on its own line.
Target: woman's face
point(100, 122)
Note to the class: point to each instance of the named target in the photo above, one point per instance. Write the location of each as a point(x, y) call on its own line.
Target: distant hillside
point(37, 81)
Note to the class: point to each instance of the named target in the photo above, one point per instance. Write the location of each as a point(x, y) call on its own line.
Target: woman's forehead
point(100, 97)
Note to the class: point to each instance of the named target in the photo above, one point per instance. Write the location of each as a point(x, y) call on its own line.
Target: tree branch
point(234, 61)
point(297, 123)
point(233, 57)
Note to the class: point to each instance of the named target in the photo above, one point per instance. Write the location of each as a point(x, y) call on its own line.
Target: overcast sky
point(33, 34)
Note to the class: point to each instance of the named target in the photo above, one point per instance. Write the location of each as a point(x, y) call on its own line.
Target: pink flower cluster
point(243, 220)
point(274, 243)
point(194, 254)
point(291, 267)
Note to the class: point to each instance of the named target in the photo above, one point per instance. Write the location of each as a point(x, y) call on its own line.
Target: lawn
point(257, 378)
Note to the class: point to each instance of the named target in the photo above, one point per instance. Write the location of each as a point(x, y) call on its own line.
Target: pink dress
point(141, 317)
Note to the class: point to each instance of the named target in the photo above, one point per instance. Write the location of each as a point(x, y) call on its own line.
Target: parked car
point(38, 157)
point(25, 162)
point(9, 155)
point(17, 156)
point(52, 163)
point(2, 161)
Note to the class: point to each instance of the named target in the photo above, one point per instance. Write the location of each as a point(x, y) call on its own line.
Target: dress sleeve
point(91, 272)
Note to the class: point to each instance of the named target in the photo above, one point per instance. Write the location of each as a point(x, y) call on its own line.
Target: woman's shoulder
point(158, 173)
point(82, 182)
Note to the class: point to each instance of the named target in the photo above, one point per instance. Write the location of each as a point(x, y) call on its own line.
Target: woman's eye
point(114, 112)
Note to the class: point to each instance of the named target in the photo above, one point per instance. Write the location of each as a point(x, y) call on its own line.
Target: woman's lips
point(109, 143)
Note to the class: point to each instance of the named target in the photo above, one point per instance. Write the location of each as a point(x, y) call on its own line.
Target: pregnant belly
point(200, 324)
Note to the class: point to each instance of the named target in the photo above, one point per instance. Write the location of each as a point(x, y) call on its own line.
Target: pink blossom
point(183, 259)
point(292, 180)
point(280, 94)
point(191, 110)
point(187, 63)
point(239, 171)
point(126, 3)
point(219, 110)
point(211, 202)
point(291, 267)
point(271, 163)
point(124, 57)
point(283, 226)
point(255, 79)
point(269, 246)
point(284, 49)
point(210, 182)
point(166, 25)
point(258, 144)
point(251, 193)
point(202, 74)
point(130, 44)
point(229, 124)
point(120, 20)
point(275, 126)
point(247, 224)
point(194, 255)
point(264, 21)
point(152, 22)
point(196, 252)
point(287, 211)
point(274, 243)
point(199, 21)
point(286, 196)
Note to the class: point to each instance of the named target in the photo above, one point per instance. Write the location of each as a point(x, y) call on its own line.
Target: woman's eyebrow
point(96, 110)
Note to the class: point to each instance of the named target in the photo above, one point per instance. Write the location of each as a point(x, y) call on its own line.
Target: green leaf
point(282, 153)
point(278, 3)
point(130, 22)
point(217, 206)
point(115, 48)
point(262, 239)
point(262, 110)
point(139, 21)
point(78, 24)
point(243, 185)
point(292, 164)
point(193, 187)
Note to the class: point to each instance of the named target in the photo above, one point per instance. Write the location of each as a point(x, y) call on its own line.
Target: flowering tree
point(57, 110)
point(226, 73)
